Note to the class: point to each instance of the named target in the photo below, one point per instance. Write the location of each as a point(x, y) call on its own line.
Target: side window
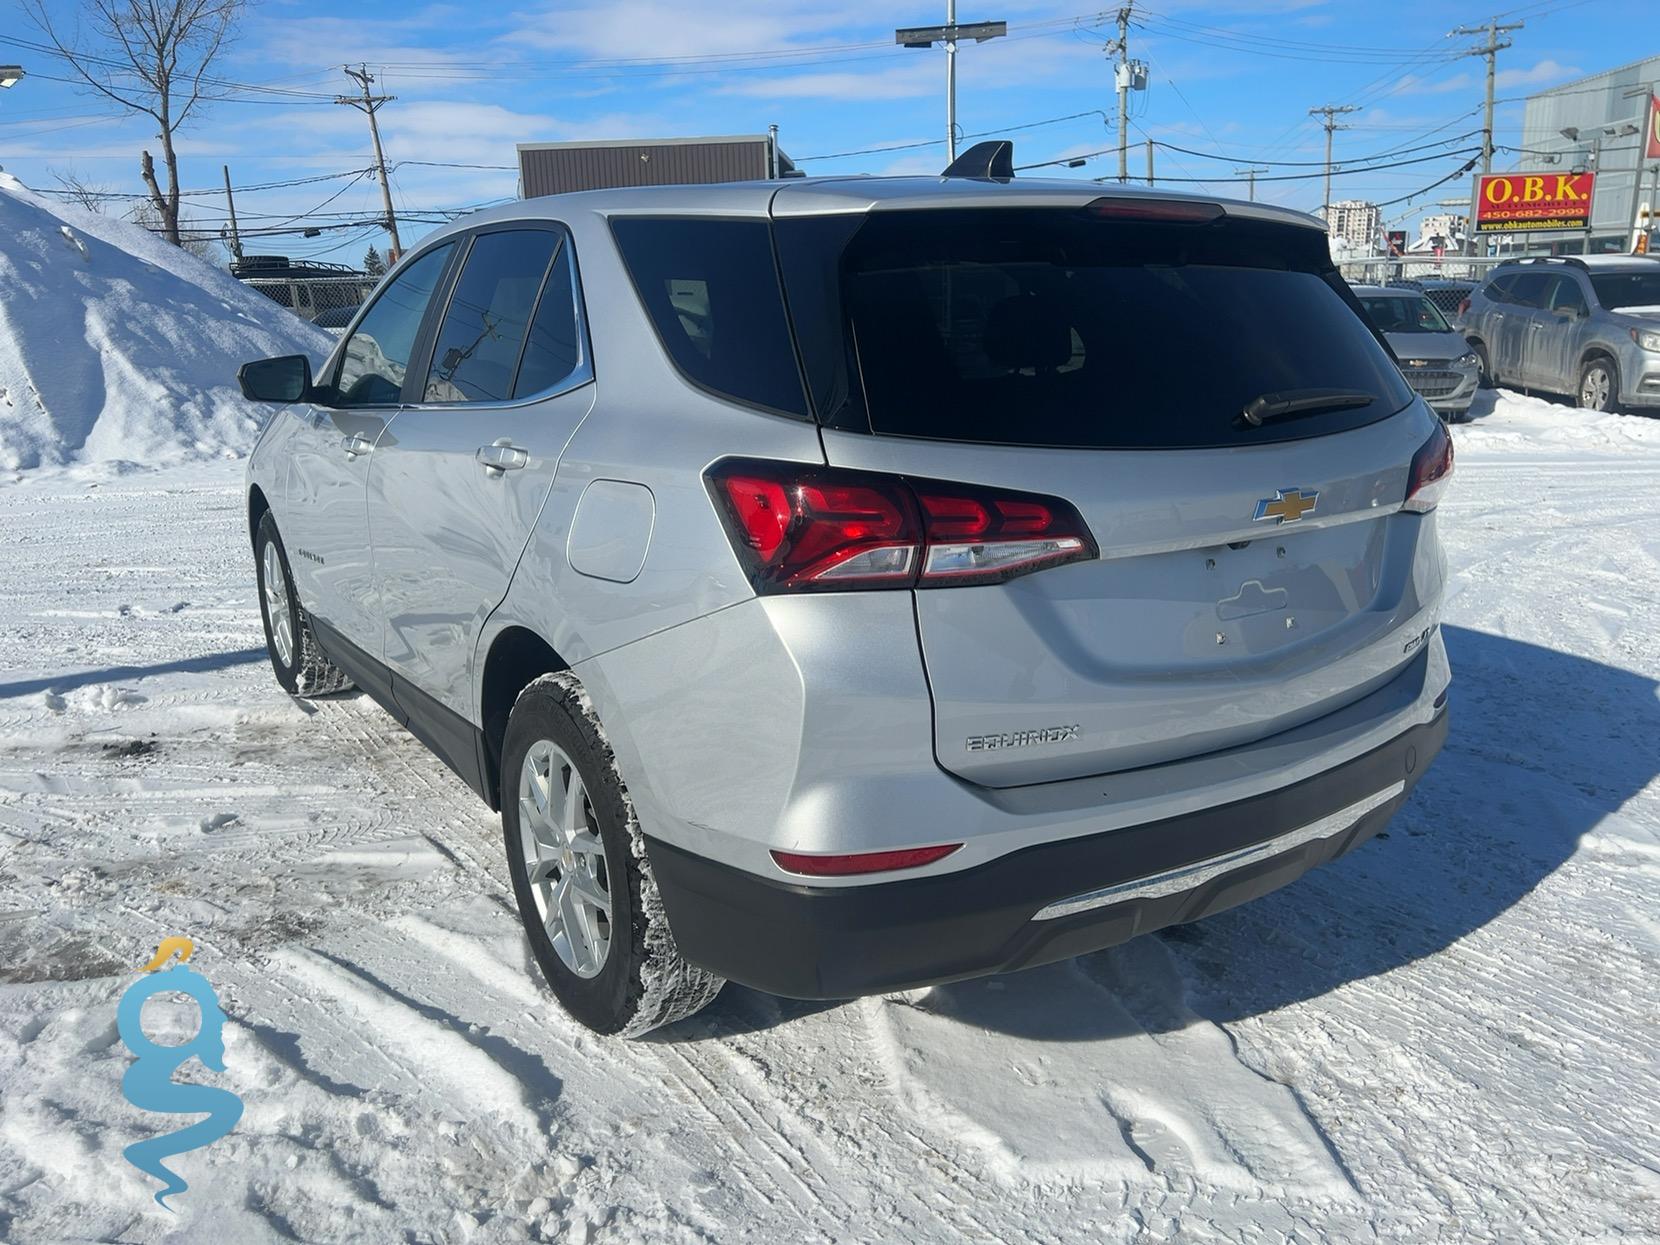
point(476, 352)
point(1498, 290)
point(711, 290)
point(554, 348)
point(373, 363)
point(1529, 290)
point(1565, 295)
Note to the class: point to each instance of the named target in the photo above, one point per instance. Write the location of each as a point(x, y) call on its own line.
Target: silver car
point(1435, 359)
point(846, 585)
point(1586, 326)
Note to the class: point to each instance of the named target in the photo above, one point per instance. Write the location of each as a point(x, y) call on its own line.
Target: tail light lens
point(1432, 468)
point(1464, 307)
point(800, 528)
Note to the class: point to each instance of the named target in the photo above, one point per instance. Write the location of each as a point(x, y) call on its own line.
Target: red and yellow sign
point(1653, 152)
point(1520, 202)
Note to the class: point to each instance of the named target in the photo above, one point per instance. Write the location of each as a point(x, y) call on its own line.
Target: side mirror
point(284, 379)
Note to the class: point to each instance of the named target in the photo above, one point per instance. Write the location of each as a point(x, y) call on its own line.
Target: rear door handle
point(355, 445)
point(502, 455)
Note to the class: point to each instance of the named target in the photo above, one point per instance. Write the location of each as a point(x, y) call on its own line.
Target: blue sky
point(1229, 77)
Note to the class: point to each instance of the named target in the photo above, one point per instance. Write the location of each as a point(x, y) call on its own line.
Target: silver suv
point(847, 585)
point(1586, 326)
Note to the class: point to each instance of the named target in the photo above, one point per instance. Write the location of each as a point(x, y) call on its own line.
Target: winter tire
point(580, 873)
point(1599, 385)
point(296, 657)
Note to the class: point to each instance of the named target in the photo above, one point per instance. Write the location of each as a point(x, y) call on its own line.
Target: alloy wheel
point(1595, 389)
point(276, 606)
point(564, 858)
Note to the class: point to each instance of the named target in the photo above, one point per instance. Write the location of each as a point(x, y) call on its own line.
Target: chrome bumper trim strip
point(1187, 877)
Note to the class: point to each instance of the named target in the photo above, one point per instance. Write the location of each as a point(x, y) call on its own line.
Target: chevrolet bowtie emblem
point(1287, 505)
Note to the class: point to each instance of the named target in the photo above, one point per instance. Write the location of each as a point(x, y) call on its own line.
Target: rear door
point(326, 521)
point(462, 473)
point(1249, 578)
point(1554, 333)
point(1514, 358)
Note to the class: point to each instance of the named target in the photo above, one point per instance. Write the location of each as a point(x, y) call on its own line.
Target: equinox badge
point(1287, 505)
point(1023, 739)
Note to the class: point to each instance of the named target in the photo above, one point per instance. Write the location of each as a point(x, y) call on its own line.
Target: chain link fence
point(312, 297)
point(1446, 282)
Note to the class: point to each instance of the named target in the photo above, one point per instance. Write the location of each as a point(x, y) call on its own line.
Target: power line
point(935, 142)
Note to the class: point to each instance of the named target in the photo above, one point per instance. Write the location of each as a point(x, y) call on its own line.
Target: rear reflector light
point(861, 862)
point(1432, 468)
point(800, 528)
point(1175, 211)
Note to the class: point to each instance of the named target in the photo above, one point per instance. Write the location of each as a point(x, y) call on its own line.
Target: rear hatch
point(1250, 577)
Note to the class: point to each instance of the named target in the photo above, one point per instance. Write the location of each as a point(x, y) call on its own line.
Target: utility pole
point(236, 238)
point(1331, 112)
point(1250, 176)
point(369, 104)
point(1149, 162)
point(1490, 50)
point(949, 35)
point(1128, 75)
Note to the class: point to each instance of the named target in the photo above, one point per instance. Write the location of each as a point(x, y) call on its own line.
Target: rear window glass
point(1051, 327)
point(711, 289)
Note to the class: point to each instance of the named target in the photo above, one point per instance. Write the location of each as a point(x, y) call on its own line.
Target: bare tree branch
point(149, 57)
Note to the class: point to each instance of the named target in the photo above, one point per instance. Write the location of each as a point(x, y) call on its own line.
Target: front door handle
point(502, 455)
point(355, 445)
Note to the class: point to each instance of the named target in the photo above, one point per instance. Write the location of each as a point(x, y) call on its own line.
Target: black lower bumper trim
point(811, 942)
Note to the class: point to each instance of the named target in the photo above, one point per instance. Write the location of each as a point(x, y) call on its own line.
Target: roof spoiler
point(991, 161)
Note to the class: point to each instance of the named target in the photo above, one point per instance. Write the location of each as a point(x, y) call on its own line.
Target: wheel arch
point(517, 657)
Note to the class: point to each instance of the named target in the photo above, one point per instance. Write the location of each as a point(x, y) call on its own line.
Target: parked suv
point(1589, 327)
point(847, 585)
point(1435, 359)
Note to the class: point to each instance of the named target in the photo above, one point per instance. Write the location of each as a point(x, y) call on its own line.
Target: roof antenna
point(989, 161)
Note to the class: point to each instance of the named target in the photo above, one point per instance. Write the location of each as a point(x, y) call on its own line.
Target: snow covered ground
point(1448, 1036)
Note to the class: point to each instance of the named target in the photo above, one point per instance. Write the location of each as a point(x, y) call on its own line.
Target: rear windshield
point(1048, 326)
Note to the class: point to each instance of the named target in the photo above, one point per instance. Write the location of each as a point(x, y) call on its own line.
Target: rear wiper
point(1294, 402)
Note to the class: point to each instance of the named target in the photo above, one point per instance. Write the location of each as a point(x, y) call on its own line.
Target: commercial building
point(1596, 124)
point(554, 168)
point(1356, 223)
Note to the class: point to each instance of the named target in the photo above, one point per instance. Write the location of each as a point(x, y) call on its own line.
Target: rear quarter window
point(711, 290)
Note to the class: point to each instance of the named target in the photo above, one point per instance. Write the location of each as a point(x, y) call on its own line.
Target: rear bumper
point(1036, 905)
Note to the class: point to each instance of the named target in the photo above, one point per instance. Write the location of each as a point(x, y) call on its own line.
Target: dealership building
point(1598, 124)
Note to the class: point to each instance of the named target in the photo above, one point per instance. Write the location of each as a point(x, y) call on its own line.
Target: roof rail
point(1573, 260)
point(988, 161)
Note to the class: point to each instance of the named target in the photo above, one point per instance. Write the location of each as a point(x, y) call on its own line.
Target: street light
point(950, 35)
point(10, 75)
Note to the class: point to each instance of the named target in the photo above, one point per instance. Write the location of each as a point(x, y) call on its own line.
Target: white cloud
point(1544, 71)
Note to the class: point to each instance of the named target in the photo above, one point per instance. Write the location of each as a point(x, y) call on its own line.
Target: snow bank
point(116, 347)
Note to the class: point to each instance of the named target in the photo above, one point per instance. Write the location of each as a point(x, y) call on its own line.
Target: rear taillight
point(800, 528)
point(849, 864)
point(1432, 468)
point(1464, 307)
